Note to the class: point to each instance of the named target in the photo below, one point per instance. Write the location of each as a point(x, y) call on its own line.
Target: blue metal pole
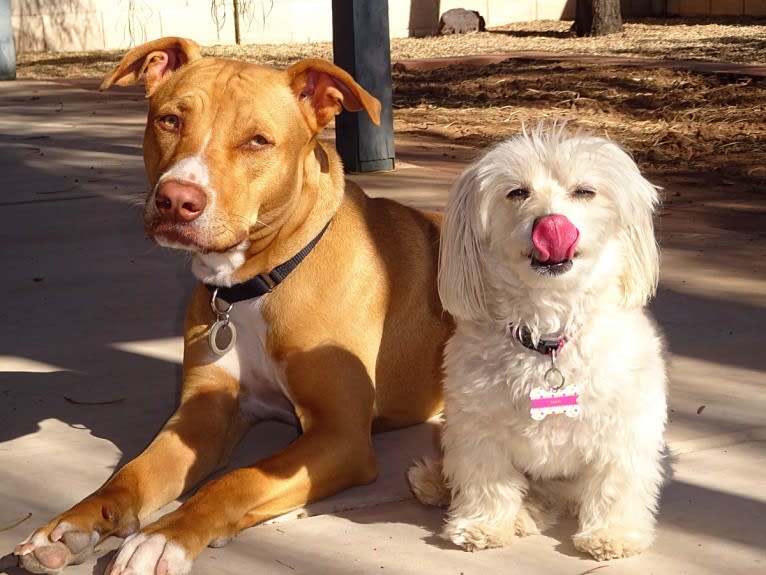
point(7, 48)
point(361, 46)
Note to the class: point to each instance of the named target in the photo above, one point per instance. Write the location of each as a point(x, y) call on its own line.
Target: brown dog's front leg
point(334, 401)
point(320, 462)
point(187, 449)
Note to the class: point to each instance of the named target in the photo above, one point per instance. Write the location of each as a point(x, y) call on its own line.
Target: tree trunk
point(597, 17)
point(237, 37)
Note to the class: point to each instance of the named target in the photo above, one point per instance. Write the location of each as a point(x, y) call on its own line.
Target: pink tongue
point(554, 238)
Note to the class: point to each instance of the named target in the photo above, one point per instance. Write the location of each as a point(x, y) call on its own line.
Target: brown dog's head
point(230, 147)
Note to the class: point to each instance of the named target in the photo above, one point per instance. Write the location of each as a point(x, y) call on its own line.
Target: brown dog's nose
point(179, 202)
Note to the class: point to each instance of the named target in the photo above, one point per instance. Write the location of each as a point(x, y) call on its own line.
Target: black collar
point(265, 282)
point(523, 335)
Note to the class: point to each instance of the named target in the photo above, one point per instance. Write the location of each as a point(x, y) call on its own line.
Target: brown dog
point(351, 341)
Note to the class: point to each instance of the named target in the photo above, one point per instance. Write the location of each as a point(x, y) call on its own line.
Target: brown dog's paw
point(143, 554)
point(45, 559)
point(50, 553)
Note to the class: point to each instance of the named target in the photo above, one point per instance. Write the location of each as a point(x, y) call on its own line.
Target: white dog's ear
point(641, 271)
point(461, 287)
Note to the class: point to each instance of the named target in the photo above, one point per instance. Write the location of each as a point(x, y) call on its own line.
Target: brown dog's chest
point(262, 379)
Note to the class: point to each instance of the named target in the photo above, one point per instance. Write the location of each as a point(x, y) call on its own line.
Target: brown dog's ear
point(325, 90)
point(154, 61)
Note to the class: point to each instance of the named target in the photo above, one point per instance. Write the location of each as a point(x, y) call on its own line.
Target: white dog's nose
point(554, 238)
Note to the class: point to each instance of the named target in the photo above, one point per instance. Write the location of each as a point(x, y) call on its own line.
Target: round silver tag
point(222, 337)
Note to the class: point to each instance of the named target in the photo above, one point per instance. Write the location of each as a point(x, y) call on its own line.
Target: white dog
point(555, 377)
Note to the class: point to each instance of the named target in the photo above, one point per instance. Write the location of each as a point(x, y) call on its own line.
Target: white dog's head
point(548, 212)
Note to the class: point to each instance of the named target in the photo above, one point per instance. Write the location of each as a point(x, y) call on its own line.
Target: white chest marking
point(217, 268)
point(263, 389)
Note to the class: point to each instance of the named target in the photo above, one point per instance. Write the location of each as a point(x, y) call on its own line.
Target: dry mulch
point(672, 121)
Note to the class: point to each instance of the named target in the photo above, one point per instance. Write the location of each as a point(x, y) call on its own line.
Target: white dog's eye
point(518, 194)
point(583, 193)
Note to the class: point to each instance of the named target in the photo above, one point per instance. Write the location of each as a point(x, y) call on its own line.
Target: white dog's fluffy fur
point(505, 474)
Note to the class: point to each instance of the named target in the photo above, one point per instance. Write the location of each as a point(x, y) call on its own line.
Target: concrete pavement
point(91, 312)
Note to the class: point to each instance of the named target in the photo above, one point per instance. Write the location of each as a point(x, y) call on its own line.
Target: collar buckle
point(523, 335)
point(264, 283)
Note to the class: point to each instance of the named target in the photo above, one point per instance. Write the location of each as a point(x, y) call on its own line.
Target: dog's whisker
point(136, 200)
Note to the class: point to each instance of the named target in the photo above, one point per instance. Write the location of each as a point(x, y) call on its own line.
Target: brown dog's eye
point(583, 193)
point(258, 141)
point(169, 122)
point(518, 194)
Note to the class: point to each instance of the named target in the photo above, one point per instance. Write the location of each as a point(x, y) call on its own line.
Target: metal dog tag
point(220, 328)
point(218, 332)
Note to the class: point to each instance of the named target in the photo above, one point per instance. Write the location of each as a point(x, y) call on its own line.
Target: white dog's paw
point(477, 535)
point(605, 544)
point(525, 523)
point(427, 482)
point(66, 545)
point(149, 555)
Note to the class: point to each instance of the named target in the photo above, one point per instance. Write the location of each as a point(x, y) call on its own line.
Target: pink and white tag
point(547, 402)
